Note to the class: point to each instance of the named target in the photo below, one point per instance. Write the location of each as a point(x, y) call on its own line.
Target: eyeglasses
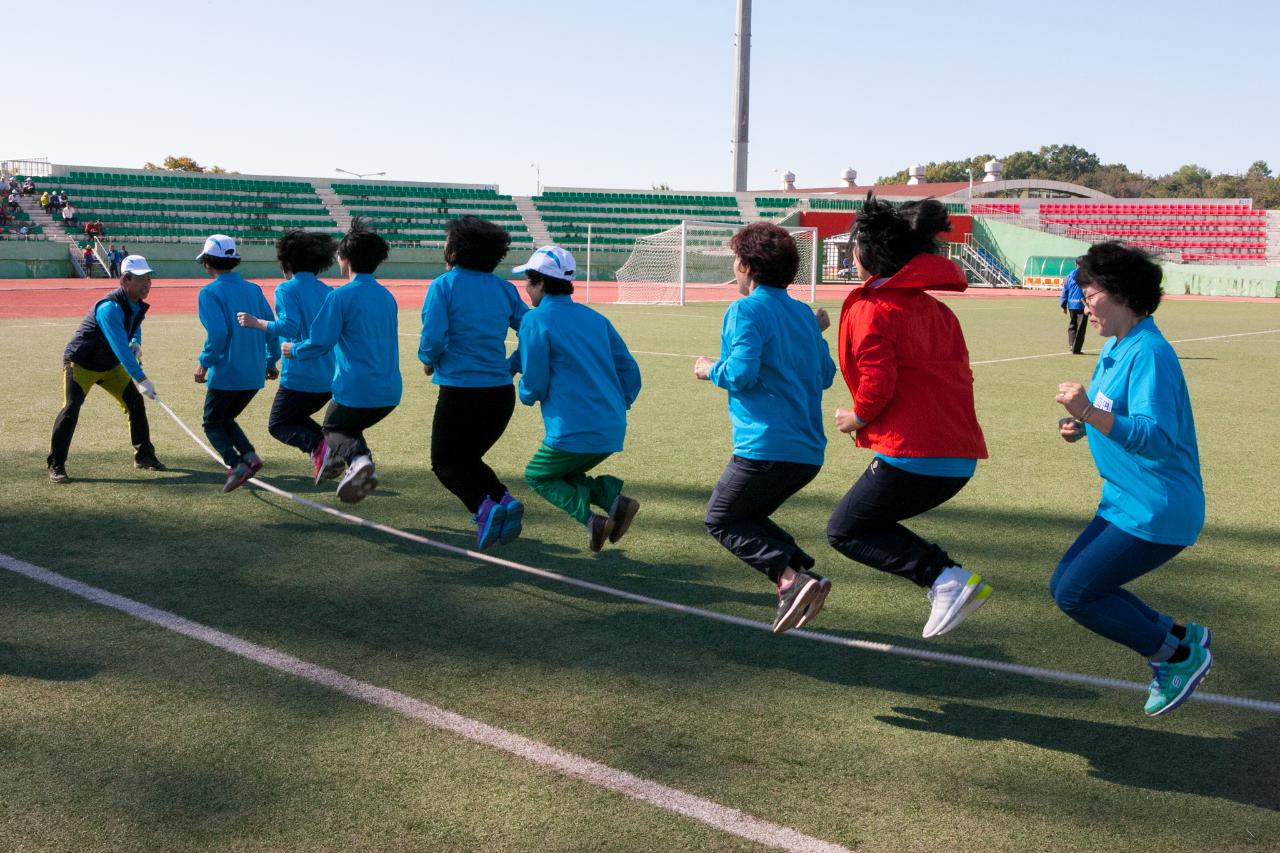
point(1091, 298)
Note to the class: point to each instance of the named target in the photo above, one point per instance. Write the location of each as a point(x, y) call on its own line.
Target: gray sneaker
point(794, 601)
point(358, 482)
point(58, 473)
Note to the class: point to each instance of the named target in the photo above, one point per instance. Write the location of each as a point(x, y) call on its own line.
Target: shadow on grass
point(1244, 768)
point(27, 661)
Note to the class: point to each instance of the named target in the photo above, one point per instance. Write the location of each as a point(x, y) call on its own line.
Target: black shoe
point(819, 599)
point(58, 474)
point(598, 530)
point(622, 513)
point(149, 463)
point(794, 601)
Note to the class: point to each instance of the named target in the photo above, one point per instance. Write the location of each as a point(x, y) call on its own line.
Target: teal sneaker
point(1197, 635)
point(514, 522)
point(1174, 682)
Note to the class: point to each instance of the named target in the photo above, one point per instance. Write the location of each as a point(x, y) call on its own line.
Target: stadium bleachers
point(617, 219)
point(169, 207)
point(419, 215)
point(994, 208)
point(1195, 232)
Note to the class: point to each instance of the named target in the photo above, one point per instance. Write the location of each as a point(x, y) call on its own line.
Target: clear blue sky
point(630, 94)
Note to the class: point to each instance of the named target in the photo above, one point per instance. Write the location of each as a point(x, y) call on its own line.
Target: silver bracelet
point(1084, 416)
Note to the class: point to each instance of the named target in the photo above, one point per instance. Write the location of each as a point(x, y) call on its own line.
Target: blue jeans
point(1087, 586)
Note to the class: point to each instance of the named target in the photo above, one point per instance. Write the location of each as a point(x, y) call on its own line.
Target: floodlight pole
point(742, 97)
point(359, 175)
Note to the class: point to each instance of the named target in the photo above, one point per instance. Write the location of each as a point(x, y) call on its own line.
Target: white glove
point(136, 349)
point(147, 388)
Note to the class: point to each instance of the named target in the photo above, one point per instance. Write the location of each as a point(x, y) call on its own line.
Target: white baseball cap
point(551, 261)
point(135, 265)
point(218, 246)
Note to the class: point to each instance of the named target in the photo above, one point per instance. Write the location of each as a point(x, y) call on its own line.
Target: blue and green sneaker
point(1174, 682)
point(1197, 635)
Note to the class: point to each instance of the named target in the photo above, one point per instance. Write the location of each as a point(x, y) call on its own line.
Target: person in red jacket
point(904, 358)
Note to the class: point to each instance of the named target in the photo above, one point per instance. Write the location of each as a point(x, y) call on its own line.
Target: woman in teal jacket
point(1136, 414)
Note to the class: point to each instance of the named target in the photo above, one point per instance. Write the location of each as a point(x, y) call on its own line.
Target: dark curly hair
point(362, 248)
point(1127, 273)
point(769, 252)
point(475, 244)
point(887, 238)
point(305, 251)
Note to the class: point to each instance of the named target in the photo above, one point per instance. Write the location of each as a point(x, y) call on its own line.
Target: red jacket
point(904, 358)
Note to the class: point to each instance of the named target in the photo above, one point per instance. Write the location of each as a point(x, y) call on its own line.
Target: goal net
point(692, 262)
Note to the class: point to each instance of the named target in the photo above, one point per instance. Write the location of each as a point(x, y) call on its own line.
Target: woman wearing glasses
point(1136, 414)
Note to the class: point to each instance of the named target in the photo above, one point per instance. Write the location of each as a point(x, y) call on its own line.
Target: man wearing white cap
point(106, 350)
point(235, 360)
point(578, 367)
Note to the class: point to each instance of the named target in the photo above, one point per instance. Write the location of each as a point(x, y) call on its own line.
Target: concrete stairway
point(52, 230)
point(333, 204)
point(538, 231)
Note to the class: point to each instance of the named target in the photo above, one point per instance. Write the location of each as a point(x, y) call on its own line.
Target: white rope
point(830, 639)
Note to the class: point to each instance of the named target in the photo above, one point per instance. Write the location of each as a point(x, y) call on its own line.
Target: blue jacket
point(1150, 463)
point(298, 301)
point(1072, 297)
point(236, 357)
point(465, 318)
point(574, 362)
point(775, 365)
point(358, 322)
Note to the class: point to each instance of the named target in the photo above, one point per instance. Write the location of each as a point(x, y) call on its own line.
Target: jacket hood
point(925, 271)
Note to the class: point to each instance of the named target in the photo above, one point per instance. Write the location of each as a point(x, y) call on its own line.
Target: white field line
point(1095, 352)
point(704, 811)
point(831, 639)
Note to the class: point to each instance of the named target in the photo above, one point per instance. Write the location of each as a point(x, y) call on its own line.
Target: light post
point(969, 169)
point(537, 171)
point(359, 175)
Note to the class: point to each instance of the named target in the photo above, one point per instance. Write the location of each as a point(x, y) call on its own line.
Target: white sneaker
point(358, 482)
point(955, 595)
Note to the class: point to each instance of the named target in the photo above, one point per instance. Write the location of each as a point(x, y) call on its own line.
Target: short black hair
point(220, 264)
point(305, 251)
point(769, 251)
point(1125, 272)
point(362, 248)
point(475, 244)
point(551, 285)
point(887, 238)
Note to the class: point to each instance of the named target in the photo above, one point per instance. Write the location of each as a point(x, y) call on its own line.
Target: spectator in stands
point(774, 364)
point(906, 362)
point(465, 319)
point(44, 201)
point(23, 231)
point(1073, 304)
point(14, 195)
point(62, 198)
point(235, 361)
point(68, 214)
point(4, 216)
point(55, 206)
point(107, 350)
point(28, 186)
point(305, 386)
point(1137, 416)
point(358, 323)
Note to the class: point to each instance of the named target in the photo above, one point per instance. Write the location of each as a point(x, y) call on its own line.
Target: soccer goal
point(692, 262)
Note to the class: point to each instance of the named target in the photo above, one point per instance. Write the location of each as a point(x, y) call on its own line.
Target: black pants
point(467, 422)
point(290, 421)
point(864, 525)
point(221, 408)
point(74, 393)
point(344, 428)
point(1076, 328)
point(749, 491)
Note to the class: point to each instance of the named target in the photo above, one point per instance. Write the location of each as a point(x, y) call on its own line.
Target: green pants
point(561, 478)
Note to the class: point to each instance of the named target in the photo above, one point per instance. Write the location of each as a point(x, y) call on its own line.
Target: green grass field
point(116, 734)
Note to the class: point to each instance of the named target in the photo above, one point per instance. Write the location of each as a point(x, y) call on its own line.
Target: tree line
point(1076, 165)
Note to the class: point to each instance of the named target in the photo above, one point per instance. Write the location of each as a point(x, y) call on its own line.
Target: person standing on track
point(358, 322)
point(305, 386)
point(465, 319)
point(1073, 305)
point(106, 350)
point(1137, 416)
point(235, 361)
point(905, 360)
point(774, 364)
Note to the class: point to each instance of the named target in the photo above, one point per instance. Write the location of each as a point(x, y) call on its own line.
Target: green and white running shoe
point(1175, 682)
point(1198, 635)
